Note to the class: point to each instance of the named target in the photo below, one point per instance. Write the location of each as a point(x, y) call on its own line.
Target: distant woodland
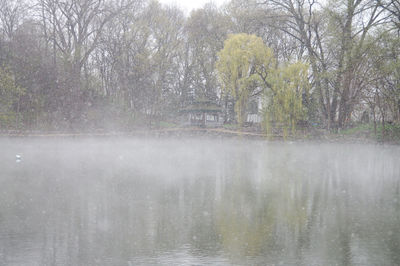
point(72, 65)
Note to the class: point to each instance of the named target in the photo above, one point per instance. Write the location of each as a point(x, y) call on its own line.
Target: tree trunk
point(374, 114)
point(383, 126)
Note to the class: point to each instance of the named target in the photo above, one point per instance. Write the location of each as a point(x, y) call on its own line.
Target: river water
point(198, 202)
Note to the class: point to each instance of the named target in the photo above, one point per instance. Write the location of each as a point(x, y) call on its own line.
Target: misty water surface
point(198, 202)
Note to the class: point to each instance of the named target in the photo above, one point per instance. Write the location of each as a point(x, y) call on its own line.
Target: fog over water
point(115, 201)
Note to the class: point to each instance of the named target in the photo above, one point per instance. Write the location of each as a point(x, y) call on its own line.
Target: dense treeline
point(118, 64)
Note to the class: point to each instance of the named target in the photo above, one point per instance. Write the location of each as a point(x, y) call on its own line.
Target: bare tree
point(393, 7)
point(75, 27)
point(336, 46)
point(12, 13)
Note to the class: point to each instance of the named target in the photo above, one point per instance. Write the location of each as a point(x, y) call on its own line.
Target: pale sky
point(189, 5)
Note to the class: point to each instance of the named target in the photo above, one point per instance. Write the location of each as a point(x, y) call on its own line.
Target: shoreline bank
point(201, 133)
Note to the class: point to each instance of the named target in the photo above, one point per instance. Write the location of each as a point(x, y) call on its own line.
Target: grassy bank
point(391, 132)
point(358, 133)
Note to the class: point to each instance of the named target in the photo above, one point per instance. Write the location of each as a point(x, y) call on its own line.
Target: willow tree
point(10, 95)
point(289, 86)
point(243, 66)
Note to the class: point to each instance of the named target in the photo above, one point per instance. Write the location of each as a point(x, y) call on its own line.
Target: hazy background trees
point(120, 64)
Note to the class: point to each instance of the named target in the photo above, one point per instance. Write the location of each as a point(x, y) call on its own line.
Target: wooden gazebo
point(203, 113)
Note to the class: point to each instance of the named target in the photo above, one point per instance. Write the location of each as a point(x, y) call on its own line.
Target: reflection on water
point(187, 202)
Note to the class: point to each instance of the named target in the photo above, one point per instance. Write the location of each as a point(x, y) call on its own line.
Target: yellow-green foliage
point(9, 94)
point(285, 99)
point(243, 66)
point(246, 64)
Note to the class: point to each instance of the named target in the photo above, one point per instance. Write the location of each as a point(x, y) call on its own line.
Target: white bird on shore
point(18, 158)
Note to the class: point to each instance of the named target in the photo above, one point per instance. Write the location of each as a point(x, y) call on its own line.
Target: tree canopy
point(244, 66)
point(135, 63)
point(289, 89)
